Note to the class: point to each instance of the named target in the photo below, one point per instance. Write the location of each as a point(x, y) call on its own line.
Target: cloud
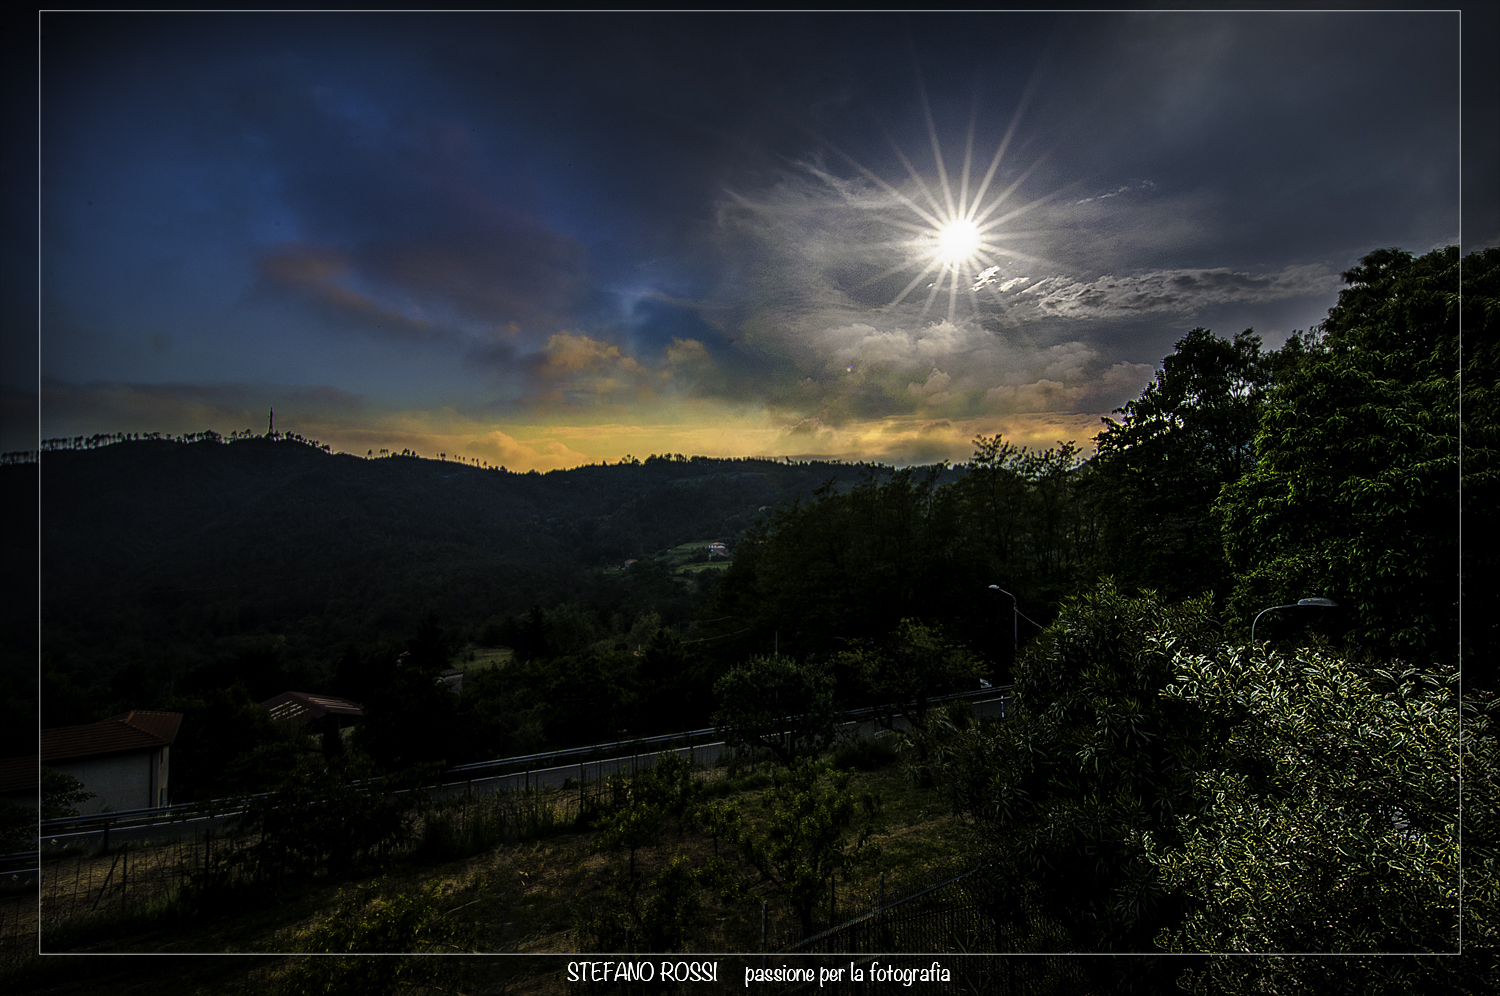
point(809, 250)
point(574, 370)
point(1184, 291)
point(499, 449)
point(933, 388)
point(326, 276)
point(1143, 185)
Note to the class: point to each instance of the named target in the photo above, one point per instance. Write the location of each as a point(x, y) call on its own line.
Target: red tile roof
point(131, 731)
point(19, 774)
point(301, 706)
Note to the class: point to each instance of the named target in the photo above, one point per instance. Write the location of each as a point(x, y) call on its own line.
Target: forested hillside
point(162, 556)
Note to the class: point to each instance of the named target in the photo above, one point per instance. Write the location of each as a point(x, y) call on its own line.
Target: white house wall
point(119, 782)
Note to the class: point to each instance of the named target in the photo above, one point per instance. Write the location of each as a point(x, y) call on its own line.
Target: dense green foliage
point(815, 826)
point(1061, 795)
point(60, 794)
point(1347, 778)
point(1354, 493)
point(318, 818)
point(777, 705)
point(365, 922)
point(1162, 464)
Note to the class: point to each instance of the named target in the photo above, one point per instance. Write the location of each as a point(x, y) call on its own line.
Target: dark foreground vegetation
point(1167, 787)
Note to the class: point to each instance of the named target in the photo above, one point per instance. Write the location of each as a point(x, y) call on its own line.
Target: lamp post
point(1319, 603)
point(1015, 617)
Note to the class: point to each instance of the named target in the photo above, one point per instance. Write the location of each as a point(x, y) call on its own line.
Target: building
point(325, 716)
point(123, 760)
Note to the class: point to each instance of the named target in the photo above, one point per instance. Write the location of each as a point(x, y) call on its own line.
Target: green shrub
point(365, 923)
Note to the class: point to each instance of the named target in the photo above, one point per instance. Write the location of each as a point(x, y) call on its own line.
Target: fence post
point(106, 881)
point(763, 933)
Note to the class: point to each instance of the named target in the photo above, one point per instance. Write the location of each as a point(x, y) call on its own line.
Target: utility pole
point(271, 423)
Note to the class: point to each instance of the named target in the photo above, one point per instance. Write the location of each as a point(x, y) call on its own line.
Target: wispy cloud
point(1183, 291)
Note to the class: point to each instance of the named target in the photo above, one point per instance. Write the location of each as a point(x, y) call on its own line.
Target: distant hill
point(161, 555)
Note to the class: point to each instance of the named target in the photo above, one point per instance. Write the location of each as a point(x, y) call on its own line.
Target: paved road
point(699, 754)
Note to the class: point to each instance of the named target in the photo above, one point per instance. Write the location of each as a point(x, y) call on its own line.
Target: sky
point(542, 241)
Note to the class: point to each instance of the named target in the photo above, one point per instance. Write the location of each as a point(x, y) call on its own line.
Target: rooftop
point(131, 731)
point(304, 707)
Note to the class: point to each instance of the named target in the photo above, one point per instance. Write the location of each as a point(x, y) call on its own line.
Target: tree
point(847, 563)
point(17, 827)
point(324, 815)
point(902, 675)
point(1161, 466)
point(658, 916)
point(777, 705)
point(1061, 794)
point(410, 713)
point(1031, 518)
point(1331, 825)
point(815, 827)
point(61, 794)
point(218, 726)
point(1355, 491)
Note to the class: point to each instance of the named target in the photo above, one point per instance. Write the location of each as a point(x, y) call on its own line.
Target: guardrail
point(215, 809)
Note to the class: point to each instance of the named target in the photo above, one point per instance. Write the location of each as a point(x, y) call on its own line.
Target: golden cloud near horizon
point(541, 447)
point(562, 439)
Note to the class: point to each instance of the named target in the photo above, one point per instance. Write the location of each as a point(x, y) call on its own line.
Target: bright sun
point(957, 235)
point(958, 241)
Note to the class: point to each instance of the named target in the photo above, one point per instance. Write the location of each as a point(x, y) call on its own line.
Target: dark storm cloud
point(417, 222)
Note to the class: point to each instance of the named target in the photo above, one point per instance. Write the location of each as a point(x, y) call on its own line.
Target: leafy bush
point(1331, 818)
point(318, 819)
point(815, 827)
point(778, 705)
point(1061, 793)
point(365, 922)
point(864, 754)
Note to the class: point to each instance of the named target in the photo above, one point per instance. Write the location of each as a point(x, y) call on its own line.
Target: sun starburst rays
point(956, 230)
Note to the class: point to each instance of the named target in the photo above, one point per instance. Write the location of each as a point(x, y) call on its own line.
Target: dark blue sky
point(543, 240)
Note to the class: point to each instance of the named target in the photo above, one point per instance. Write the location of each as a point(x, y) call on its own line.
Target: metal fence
point(895, 943)
point(132, 874)
point(944, 918)
point(127, 876)
point(18, 925)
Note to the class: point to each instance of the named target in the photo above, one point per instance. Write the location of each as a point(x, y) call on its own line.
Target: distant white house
point(123, 760)
point(717, 550)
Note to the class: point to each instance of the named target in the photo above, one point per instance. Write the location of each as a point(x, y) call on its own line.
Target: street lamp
point(1318, 603)
point(1015, 617)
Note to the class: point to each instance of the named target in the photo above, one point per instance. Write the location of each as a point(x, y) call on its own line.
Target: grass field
point(537, 894)
point(473, 657)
